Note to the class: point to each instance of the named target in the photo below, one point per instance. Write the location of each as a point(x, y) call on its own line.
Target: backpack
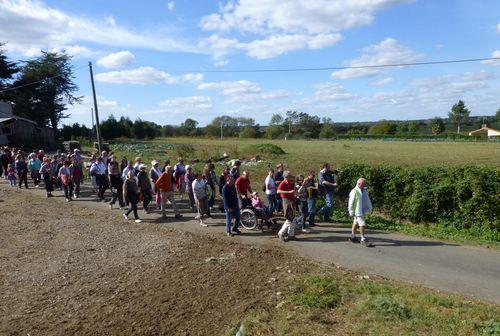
point(65, 178)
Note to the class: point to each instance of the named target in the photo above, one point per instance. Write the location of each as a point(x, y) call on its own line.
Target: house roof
point(2, 120)
point(484, 129)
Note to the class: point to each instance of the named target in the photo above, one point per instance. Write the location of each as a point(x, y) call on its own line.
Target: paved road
point(453, 268)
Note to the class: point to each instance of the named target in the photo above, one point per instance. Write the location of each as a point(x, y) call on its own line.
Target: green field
point(303, 155)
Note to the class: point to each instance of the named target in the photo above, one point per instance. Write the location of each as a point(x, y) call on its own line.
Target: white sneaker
point(203, 224)
point(125, 216)
point(306, 231)
point(138, 221)
point(111, 206)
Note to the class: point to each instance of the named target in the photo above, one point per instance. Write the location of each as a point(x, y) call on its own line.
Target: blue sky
point(149, 57)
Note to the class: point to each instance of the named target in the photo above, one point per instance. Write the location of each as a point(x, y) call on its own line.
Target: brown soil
point(67, 269)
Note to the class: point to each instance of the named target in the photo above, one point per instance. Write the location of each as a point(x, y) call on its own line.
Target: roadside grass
point(340, 303)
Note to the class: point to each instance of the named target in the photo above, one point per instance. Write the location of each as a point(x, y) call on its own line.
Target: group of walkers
point(131, 182)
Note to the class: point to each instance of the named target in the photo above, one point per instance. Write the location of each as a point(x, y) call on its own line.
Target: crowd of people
point(130, 182)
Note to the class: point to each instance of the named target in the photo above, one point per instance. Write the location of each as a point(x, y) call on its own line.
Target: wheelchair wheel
point(248, 219)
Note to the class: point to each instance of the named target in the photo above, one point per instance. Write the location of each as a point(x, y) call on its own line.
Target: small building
point(21, 132)
point(486, 131)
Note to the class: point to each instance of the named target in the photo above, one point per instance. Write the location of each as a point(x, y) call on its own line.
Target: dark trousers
point(49, 186)
point(36, 177)
point(117, 195)
point(68, 190)
point(272, 203)
point(132, 198)
point(147, 198)
point(211, 201)
point(102, 185)
point(78, 182)
point(304, 211)
point(23, 177)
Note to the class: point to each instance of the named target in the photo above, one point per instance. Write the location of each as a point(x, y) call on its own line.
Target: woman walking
point(154, 175)
point(46, 172)
point(76, 169)
point(66, 176)
point(116, 183)
point(22, 171)
point(179, 171)
point(131, 194)
point(200, 196)
point(188, 180)
point(34, 166)
point(144, 184)
point(271, 191)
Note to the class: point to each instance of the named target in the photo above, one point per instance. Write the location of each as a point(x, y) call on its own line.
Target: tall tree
point(437, 126)
point(7, 71)
point(413, 127)
point(48, 88)
point(459, 114)
point(276, 119)
point(291, 119)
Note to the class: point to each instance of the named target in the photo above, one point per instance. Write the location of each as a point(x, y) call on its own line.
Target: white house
point(485, 130)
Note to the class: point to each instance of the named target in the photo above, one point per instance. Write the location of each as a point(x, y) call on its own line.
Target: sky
point(152, 59)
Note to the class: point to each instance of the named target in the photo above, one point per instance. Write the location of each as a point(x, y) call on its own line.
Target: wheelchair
point(256, 219)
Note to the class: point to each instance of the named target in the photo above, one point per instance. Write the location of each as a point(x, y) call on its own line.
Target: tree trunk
point(458, 128)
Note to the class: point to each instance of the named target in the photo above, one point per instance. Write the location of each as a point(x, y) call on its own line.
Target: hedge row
point(414, 137)
point(464, 196)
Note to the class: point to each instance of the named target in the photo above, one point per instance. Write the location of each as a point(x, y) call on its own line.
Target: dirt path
point(69, 269)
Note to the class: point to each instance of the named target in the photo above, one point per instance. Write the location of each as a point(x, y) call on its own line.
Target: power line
point(300, 69)
point(345, 67)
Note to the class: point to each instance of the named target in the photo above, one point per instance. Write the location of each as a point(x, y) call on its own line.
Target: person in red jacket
point(165, 184)
point(243, 188)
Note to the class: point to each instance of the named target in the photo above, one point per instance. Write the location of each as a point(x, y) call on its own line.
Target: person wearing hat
point(257, 205)
point(287, 192)
point(144, 184)
point(166, 185)
point(154, 175)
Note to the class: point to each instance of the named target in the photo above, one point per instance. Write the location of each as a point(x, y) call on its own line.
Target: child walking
point(11, 175)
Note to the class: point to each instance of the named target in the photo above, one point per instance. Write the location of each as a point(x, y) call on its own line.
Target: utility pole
point(97, 128)
point(221, 128)
point(92, 114)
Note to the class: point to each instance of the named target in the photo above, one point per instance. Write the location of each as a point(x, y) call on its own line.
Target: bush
point(465, 196)
point(265, 148)
point(388, 306)
point(316, 291)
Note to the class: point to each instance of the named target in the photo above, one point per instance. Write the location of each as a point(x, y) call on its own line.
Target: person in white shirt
point(359, 206)
point(98, 169)
point(200, 197)
point(271, 191)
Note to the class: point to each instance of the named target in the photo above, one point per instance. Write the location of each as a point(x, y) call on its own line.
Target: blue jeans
point(327, 210)
point(311, 207)
point(273, 204)
point(304, 211)
point(236, 215)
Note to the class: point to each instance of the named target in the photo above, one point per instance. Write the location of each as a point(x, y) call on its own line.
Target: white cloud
point(116, 60)
point(106, 107)
point(459, 83)
point(38, 26)
point(286, 25)
point(171, 5)
point(232, 88)
point(181, 105)
point(498, 27)
point(312, 16)
point(77, 51)
point(496, 54)
point(331, 91)
point(145, 75)
point(382, 82)
point(389, 51)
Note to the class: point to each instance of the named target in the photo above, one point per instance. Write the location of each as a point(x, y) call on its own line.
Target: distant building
point(485, 130)
point(22, 132)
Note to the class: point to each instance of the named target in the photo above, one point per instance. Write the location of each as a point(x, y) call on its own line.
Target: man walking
point(327, 184)
point(230, 199)
point(243, 188)
point(359, 206)
point(166, 186)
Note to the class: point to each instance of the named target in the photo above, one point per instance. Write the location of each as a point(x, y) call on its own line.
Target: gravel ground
point(69, 269)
